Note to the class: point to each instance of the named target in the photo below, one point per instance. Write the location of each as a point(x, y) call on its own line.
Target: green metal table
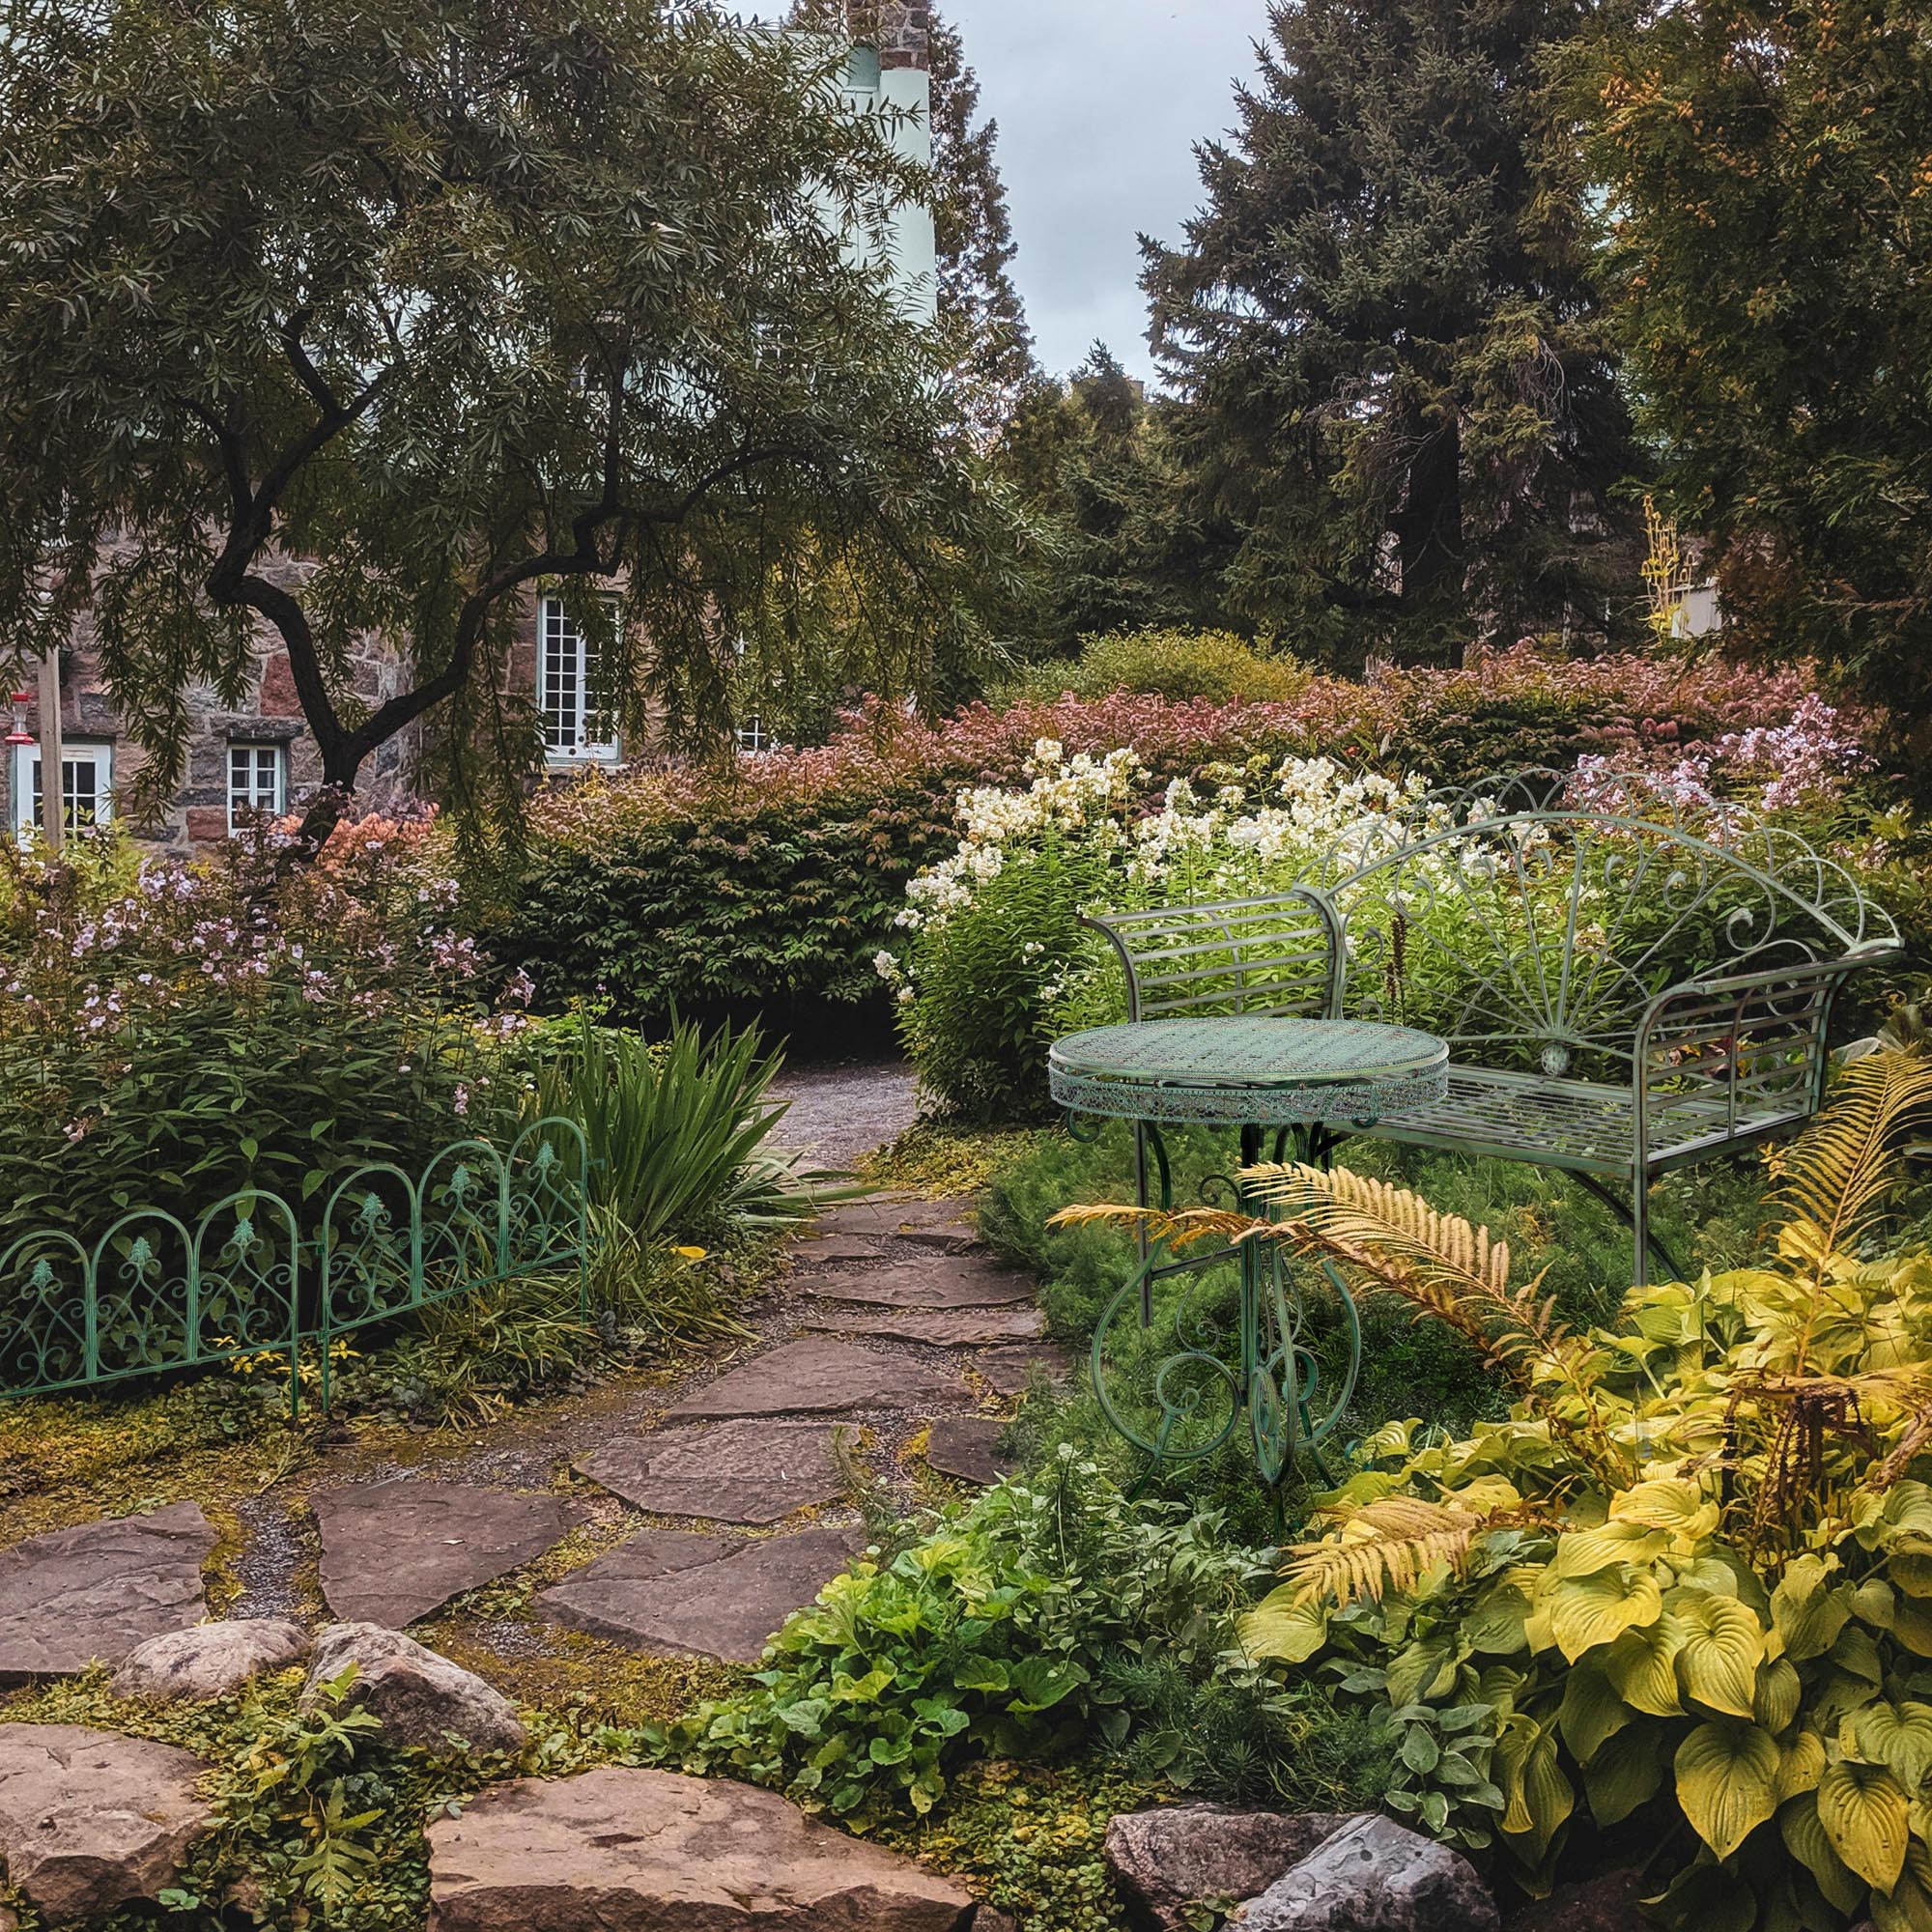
point(1308, 1080)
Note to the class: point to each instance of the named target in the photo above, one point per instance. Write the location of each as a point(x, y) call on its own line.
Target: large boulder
point(650, 1850)
point(1374, 1875)
point(211, 1659)
point(91, 1821)
point(422, 1699)
point(1164, 1860)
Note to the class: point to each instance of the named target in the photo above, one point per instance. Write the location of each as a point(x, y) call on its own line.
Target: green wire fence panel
point(155, 1294)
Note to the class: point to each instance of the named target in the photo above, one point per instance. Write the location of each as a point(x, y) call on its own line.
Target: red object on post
point(20, 734)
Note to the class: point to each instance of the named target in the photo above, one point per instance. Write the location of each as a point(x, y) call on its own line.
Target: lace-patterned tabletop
point(1247, 1071)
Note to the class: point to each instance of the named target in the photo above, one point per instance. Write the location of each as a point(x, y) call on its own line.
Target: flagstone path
point(674, 1520)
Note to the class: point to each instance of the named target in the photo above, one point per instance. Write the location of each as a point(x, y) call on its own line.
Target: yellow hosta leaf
point(1281, 1628)
point(1912, 1625)
point(1898, 1736)
point(1909, 1567)
point(1642, 1665)
point(1905, 1908)
point(1724, 1645)
point(1864, 1811)
point(1582, 1553)
point(1774, 1702)
point(1670, 1503)
point(1807, 1841)
point(1801, 1765)
point(1727, 1781)
point(1585, 1612)
point(1539, 1796)
point(1591, 1711)
point(1875, 1602)
point(1625, 1773)
point(1807, 1610)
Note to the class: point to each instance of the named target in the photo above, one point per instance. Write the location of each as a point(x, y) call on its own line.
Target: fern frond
point(1387, 1545)
point(1839, 1170)
point(1179, 1230)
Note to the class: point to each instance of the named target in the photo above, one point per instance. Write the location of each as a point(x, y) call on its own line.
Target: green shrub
point(214, 1028)
point(1003, 1633)
point(1214, 665)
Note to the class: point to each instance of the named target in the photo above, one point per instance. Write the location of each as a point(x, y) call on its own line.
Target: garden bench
point(1628, 983)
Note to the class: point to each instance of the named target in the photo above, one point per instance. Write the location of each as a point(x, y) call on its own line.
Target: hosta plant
point(1687, 1582)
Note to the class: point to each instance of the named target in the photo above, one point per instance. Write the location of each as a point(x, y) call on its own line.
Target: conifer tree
point(1393, 375)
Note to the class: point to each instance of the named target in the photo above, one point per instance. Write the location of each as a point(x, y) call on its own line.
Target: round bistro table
point(1304, 1080)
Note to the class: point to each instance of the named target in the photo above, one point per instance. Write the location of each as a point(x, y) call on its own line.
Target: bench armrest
point(1745, 1042)
point(1273, 954)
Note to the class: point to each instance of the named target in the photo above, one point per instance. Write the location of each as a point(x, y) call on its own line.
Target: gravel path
point(838, 1115)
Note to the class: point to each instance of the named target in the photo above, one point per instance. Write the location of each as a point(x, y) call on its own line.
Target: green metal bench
point(1628, 983)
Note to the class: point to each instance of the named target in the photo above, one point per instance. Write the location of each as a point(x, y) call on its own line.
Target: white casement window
point(87, 784)
point(573, 733)
point(257, 782)
point(753, 737)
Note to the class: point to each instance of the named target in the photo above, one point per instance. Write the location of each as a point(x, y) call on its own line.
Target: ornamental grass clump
point(1683, 1593)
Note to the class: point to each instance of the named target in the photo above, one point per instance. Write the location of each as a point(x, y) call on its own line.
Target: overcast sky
point(1099, 104)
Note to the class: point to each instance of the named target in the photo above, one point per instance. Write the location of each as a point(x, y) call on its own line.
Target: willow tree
point(320, 318)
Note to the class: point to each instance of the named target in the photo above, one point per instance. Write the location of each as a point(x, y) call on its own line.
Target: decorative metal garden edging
point(155, 1295)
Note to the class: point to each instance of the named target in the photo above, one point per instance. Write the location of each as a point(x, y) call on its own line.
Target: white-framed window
point(87, 784)
point(257, 782)
point(566, 680)
point(753, 737)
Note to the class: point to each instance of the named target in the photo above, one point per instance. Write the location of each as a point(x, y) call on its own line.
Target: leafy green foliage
point(417, 307)
point(1394, 382)
point(1767, 222)
point(1214, 665)
point(177, 1037)
point(997, 1634)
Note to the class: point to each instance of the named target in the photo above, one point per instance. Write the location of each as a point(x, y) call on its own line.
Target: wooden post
point(54, 788)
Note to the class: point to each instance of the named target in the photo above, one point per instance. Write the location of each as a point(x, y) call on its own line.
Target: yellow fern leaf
point(1387, 1545)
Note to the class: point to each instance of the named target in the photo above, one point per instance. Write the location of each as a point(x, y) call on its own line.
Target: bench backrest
point(1269, 957)
point(1532, 927)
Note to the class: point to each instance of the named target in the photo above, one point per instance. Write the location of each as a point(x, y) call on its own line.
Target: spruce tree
point(1393, 376)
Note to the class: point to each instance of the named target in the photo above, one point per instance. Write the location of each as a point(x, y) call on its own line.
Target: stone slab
point(74, 1597)
point(1009, 1370)
point(824, 1375)
point(937, 1327)
point(673, 1593)
point(967, 1446)
point(880, 1218)
point(1164, 1863)
point(844, 1249)
point(936, 1281)
point(392, 1552)
point(651, 1851)
point(745, 1471)
point(91, 1821)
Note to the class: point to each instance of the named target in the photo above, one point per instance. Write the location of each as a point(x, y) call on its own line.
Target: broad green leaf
point(1642, 1665)
point(1280, 1628)
point(1625, 1773)
point(1808, 1842)
point(1539, 1796)
point(1906, 1907)
point(1727, 1781)
point(1912, 1625)
point(1864, 1811)
point(1591, 1710)
point(1875, 1602)
point(1585, 1612)
point(1494, 1625)
point(1898, 1736)
point(1774, 1703)
point(1806, 1609)
point(1670, 1503)
point(1723, 1644)
point(1801, 1765)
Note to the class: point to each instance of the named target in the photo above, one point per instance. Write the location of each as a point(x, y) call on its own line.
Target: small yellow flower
point(690, 1254)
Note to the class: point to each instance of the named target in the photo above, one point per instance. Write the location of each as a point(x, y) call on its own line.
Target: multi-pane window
point(567, 671)
point(87, 784)
point(753, 735)
point(257, 782)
